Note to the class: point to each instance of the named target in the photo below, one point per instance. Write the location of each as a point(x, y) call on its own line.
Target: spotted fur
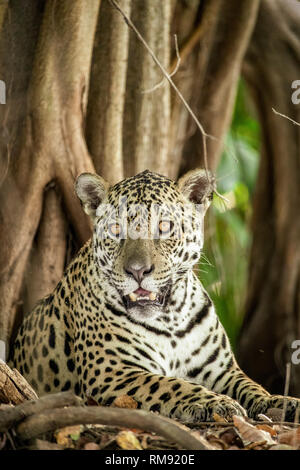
point(173, 357)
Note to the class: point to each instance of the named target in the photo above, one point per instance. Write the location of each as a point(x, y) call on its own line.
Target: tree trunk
point(147, 113)
point(104, 129)
point(273, 305)
point(211, 78)
point(49, 149)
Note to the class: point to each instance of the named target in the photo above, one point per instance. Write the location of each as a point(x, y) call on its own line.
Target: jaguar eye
point(165, 227)
point(114, 229)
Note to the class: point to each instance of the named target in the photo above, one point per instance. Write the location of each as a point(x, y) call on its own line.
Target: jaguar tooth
point(133, 297)
point(143, 298)
point(152, 296)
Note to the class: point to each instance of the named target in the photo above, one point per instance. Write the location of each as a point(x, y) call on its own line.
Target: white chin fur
point(140, 313)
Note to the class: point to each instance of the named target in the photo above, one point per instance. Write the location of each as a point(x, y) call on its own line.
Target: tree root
point(39, 416)
point(51, 419)
point(33, 416)
point(12, 416)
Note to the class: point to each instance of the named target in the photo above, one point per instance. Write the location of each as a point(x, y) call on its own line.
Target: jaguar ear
point(91, 190)
point(198, 187)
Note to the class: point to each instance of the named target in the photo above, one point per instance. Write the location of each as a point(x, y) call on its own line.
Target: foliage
point(224, 264)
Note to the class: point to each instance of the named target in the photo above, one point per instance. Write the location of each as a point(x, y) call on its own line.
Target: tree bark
point(14, 389)
point(193, 19)
point(147, 114)
point(215, 68)
point(273, 304)
point(104, 129)
point(46, 262)
point(51, 147)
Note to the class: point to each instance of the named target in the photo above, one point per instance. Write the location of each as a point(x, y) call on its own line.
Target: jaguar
point(130, 315)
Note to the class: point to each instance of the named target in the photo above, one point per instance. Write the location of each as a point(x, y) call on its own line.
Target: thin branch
point(286, 117)
point(190, 44)
point(223, 198)
point(286, 389)
point(53, 419)
point(167, 75)
point(172, 72)
point(175, 67)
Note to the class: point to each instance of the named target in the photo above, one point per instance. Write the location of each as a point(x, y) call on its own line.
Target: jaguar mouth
point(144, 298)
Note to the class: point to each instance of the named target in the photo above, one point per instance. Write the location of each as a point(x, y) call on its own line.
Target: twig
point(175, 67)
point(296, 420)
point(13, 416)
point(172, 72)
point(2, 343)
point(50, 420)
point(190, 43)
point(11, 440)
point(165, 73)
point(251, 421)
point(286, 389)
point(286, 117)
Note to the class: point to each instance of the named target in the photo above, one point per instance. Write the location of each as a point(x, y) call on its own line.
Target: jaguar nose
point(138, 272)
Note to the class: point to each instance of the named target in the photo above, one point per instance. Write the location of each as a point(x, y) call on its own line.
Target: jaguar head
point(148, 233)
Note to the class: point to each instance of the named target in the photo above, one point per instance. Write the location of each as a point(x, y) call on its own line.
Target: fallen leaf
point(290, 437)
point(259, 445)
point(106, 440)
point(125, 401)
point(91, 446)
point(148, 438)
point(219, 419)
point(250, 433)
point(63, 440)
point(128, 441)
point(80, 443)
point(134, 430)
point(203, 440)
point(217, 443)
point(65, 436)
point(231, 437)
point(266, 427)
point(264, 417)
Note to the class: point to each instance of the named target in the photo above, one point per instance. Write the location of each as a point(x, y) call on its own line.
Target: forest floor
point(51, 423)
point(216, 436)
